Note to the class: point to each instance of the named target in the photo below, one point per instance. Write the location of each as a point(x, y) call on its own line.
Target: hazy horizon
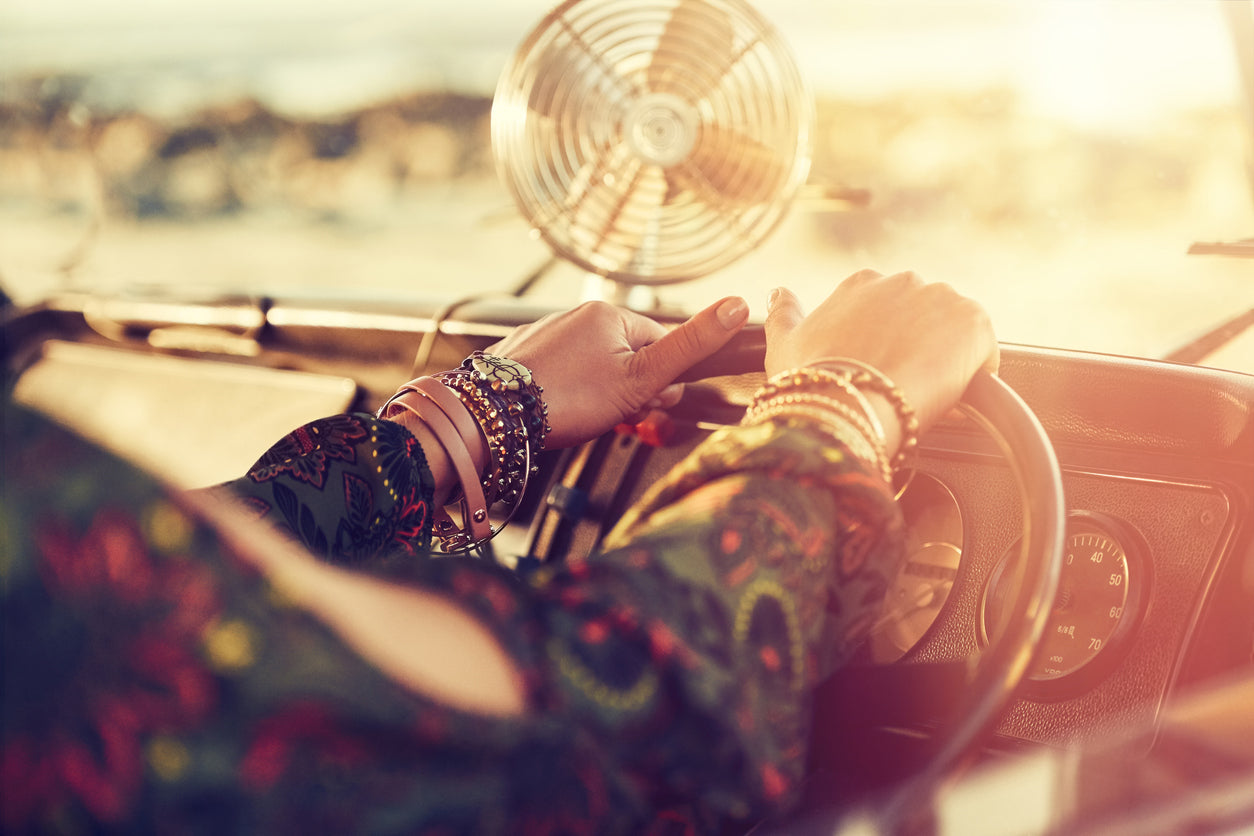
point(318, 57)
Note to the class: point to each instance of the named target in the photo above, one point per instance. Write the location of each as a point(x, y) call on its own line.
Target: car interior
point(1070, 644)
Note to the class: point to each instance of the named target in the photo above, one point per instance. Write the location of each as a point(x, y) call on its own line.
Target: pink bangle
point(452, 406)
point(474, 506)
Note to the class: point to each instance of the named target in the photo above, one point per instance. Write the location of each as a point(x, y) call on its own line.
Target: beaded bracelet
point(508, 441)
point(492, 399)
point(848, 433)
point(810, 378)
point(513, 379)
point(802, 390)
point(864, 375)
point(866, 422)
point(510, 405)
point(841, 420)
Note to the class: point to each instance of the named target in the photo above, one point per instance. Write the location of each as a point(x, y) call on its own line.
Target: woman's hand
point(601, 365)
point(928, 339)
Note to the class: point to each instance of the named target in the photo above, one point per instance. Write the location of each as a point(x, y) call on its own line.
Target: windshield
point(1053, 160)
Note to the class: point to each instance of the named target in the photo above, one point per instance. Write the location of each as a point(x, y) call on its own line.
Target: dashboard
point(1157, 590)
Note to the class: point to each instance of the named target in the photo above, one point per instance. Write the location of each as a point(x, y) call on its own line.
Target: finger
point(657, 364)
point(668, 397)
point(863, 276)
point(783, 314)
point(992, 362)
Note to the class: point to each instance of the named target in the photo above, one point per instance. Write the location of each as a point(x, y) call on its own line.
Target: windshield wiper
point(1239, 249)
point(1199, 348)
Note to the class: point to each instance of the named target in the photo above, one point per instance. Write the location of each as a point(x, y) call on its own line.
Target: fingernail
point(732, 312)
point(772, 299)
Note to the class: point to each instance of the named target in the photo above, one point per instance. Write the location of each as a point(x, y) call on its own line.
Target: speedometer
point(1101, 597)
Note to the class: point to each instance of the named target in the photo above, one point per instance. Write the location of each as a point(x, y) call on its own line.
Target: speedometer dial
point(1101, 595)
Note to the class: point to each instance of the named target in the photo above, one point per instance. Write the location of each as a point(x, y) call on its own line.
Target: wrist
point(455, 435)
point(889, 421)
point(897, 416)
point(443, 477)
point(483, 425)
point(853, 402)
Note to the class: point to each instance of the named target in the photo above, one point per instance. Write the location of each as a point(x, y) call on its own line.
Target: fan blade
point(569, 79)
point(739, 168)
point(612, 208)
point(696, 28)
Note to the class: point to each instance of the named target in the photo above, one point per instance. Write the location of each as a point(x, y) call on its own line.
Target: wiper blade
point(1199, 348)
point(1240, 249)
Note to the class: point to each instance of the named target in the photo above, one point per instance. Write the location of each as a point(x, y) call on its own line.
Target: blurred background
point(1053, 159)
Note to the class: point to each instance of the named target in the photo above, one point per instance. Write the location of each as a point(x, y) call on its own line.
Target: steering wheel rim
point(1018, 433)
point(1006, 417)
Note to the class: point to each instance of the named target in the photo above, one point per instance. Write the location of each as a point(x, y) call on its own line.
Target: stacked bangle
point(811, 393)
point(490, 401)
point(508, 446)
point(457, 446)
point(860, 430)
point(504, 376)
point(869, 377)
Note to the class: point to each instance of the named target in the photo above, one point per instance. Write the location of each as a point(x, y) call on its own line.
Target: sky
point(311, 55)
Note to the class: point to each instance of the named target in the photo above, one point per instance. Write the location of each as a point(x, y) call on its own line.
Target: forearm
point(422, 640)
point(354, 489)
point(747, 576)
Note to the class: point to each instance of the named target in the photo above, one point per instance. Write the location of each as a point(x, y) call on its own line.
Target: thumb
point(783, 314)
point(660, 362)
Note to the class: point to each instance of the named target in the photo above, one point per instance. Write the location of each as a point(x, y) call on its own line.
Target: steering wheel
point(999, 410)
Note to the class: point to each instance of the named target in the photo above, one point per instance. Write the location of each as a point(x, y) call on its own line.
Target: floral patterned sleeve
point(350, 488)
point(154, 681)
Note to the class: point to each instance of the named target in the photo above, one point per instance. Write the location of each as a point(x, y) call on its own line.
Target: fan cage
point(654, 142)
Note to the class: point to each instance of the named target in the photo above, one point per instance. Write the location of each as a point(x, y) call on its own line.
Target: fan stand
point(637, 297)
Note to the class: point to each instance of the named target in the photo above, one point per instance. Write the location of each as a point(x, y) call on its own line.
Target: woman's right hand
point(927, 338)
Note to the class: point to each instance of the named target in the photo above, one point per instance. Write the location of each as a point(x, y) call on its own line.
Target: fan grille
point(652, 142)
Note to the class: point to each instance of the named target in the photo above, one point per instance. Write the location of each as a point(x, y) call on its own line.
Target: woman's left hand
point(601, 365)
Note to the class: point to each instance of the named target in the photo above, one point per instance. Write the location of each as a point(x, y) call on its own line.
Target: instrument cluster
point(1103, 592)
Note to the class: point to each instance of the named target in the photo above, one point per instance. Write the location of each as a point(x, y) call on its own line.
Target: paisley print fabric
point(307, 452)
point(154, 682)
point(349, 488)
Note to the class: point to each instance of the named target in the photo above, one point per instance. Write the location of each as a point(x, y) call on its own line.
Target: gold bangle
point(872, 378)
point(811, 376)
point(848, 433)
point(865, 419)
